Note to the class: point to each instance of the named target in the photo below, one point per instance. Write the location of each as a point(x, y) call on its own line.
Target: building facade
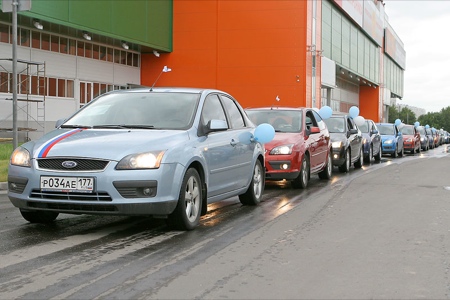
point(340, 53)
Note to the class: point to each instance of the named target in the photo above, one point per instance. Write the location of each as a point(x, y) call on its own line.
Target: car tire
point(186, 215)
point(395, 153)
point(254, 193)
point(379, 155)
point(369, 157)
point(401, 153)
point(345, 167)
point(39, 216)
point(327, 172)
point(302, 179)
point(359, 163)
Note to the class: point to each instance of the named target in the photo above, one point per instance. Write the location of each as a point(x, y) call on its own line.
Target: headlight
point(364, 141)
point(146, 160)
point(388, 141)
point(422, 139)
point(336, 144)
point(21, 157)
point(285, 149)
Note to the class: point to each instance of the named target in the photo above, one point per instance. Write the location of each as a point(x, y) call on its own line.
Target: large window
point(65, 45)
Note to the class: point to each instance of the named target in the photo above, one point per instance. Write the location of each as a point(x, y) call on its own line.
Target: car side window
point(319, 120)
point(236, 119)
point(350, 124)
point(212, 110)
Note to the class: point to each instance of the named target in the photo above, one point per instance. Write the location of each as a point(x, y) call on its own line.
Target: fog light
point(147, 191)
point(335, 156)
point(12, 186)
point(284, 166)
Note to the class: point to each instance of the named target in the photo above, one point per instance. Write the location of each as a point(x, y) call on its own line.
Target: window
point(24, 39)
point(61, 88)
point(52, 87)
point(234, 113)
point(80, 49)
point(36, 40)
point(4, 33)
point(45, 42)
point(212, 110)
point(54, 45)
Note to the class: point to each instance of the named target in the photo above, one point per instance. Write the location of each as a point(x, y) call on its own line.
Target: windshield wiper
point(74, 126)
point(122, 126)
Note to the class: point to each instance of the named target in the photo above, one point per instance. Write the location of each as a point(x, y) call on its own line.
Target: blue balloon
point(325, 112)
point(398, 122)
point(264, 133)
point(353, 111)
point(427, 126)
point(245, 138)
point(416, 124)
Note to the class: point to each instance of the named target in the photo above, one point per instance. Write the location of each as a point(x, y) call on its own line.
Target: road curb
point(3, 186)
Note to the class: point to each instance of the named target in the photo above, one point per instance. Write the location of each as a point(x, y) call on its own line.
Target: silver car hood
point(111, 144)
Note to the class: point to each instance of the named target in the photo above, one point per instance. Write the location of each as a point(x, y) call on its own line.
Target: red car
point(301, 146)
point(411, 139)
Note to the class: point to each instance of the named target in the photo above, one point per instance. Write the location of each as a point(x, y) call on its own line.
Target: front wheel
point(38, 216)
point(255, 190)
point(345, 167)
point(186, 215)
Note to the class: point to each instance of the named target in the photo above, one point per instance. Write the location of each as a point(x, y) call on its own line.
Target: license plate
point(67, 184)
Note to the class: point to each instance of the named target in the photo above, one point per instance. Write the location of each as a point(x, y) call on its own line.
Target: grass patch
point(5, 153)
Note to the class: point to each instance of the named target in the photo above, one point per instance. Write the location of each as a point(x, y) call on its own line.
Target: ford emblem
point(69, 164)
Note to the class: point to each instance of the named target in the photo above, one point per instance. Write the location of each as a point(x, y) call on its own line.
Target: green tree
point(393, 114)
point(407, 116)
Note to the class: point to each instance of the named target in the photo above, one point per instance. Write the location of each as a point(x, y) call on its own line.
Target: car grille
point(73, 196)
point(73, 207)
point(81, 164)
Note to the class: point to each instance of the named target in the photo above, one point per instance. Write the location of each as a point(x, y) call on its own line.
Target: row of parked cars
point(169, 152)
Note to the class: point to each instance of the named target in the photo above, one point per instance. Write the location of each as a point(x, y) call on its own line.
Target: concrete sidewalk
point(3, 186)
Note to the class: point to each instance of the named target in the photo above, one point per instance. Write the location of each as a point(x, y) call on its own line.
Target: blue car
point(161, 152)
point(392, 139)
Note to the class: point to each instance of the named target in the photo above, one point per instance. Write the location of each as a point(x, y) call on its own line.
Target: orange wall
point(255, 50)
point(368, 103)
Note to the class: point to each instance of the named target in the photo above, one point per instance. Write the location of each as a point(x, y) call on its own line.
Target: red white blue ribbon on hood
point(45, 148)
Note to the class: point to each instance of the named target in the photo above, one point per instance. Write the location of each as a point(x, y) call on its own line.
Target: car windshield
point(422, 131)
point(281, 120)
point(365, 128)
point(407, 130)
point(386, 129)
point(335, 124)
point(150, 110)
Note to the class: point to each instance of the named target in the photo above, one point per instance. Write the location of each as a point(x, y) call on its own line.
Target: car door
point(319, 149)
point(355, 139)
point(227, 158)
point(375, 135)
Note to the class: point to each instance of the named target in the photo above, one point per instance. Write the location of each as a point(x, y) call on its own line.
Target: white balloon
point(359, 120)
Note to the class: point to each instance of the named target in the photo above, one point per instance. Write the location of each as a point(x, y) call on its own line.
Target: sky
point(424, 28)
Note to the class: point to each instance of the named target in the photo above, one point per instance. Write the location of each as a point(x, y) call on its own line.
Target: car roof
point(276, 108)
point(168, 90)
point(387, 124)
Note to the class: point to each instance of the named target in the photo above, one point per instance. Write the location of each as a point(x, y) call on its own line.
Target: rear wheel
point(302, 179)
point(327, 172)
point(379, 155)
point(186, 215)
point(345, 167)
point(38, 216)
point(359, 163)
point(369, 157)
point(253, 195)
point(402, 152)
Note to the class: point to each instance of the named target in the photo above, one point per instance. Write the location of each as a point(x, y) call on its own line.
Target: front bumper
point(338, 156)
point(115, 192)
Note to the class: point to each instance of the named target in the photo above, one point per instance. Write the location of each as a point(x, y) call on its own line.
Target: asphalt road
point(381, 232)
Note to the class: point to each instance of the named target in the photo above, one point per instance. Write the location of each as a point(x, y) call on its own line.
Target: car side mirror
point(217, 125)
point(59, 122)
point(313, 130)
point(374, 131)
